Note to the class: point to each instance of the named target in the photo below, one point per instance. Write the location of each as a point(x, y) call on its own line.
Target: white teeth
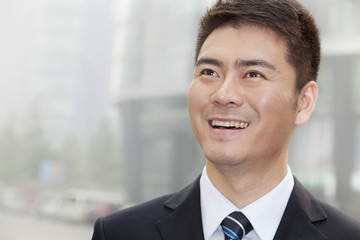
point(234, 124)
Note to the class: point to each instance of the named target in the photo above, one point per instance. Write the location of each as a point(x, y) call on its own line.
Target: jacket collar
point(302, 213)
point(299, 221)
point(184, 222)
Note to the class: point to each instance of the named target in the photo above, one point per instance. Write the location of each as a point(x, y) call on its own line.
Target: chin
point(224, 158)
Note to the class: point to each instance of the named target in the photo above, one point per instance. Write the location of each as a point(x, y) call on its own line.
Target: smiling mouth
point(228, 124)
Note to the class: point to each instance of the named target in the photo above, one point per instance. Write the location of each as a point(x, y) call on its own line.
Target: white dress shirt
point(264, 214)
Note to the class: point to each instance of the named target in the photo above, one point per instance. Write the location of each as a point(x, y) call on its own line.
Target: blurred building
point(55, 61)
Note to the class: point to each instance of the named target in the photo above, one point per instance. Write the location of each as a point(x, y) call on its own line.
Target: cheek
point(195, 102)
point(197, 99)
point(191, 100)
point(275, 108)
point(276, 119)
point(275, 100)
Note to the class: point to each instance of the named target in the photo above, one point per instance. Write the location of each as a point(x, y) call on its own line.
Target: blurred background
point(93, 113)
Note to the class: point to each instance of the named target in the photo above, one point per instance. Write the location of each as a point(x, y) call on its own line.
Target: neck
point(243, 184)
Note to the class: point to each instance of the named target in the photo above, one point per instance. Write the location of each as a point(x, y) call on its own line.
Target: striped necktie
point(235, 226)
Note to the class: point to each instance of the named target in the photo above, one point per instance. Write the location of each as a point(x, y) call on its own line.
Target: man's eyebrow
point(208, 60)
point(239, 63)
point(254, 62)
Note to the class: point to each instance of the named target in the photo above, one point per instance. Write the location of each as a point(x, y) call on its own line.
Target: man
point(256, 64)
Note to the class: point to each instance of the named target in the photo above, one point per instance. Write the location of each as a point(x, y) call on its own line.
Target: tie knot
point(236, 226)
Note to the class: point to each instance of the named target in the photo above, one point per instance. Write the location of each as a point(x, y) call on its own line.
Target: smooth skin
point(242, 75)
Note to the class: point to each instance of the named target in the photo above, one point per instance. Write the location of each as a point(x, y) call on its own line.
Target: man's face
point(242, 99)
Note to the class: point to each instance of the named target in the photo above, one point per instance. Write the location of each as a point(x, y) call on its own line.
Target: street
point(16, 226)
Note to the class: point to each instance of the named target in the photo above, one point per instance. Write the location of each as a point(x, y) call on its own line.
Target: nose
point(228, 93)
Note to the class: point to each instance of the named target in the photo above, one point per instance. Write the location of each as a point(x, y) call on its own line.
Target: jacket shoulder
point(141, 212)
point(142, 221)
point(134, 222)
point(338, 225)
point(307, 217)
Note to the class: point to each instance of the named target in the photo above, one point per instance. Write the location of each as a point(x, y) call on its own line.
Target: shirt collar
point(215, 207)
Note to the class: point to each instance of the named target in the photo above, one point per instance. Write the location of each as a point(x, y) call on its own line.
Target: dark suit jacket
point(178, 217)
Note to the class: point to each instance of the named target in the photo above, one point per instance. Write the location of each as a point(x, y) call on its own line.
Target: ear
point(307, 102)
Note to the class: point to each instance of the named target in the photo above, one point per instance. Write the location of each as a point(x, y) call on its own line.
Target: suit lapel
point(185, 220)
point(299, 221)
point(300, 217)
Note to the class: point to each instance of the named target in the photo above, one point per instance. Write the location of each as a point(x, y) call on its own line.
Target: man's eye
point(209, 72)
point(253, 75)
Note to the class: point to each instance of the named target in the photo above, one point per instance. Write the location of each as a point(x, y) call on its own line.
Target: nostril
point(226, 97)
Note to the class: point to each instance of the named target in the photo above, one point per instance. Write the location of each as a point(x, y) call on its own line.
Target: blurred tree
point(11, 154)
point(35, 145)
point(69, 155)
point(104, 163)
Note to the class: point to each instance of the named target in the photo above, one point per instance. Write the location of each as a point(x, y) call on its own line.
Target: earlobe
point(307, 102)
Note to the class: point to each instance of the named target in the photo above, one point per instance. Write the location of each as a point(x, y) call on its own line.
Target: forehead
point(244, 41)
